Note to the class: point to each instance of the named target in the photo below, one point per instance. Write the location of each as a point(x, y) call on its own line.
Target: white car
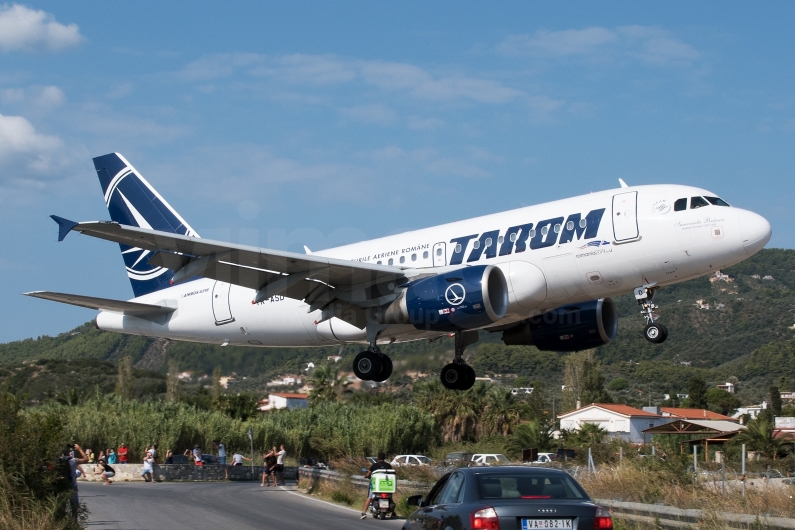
point(493, 459)
point(546, 458)
point(410, 460)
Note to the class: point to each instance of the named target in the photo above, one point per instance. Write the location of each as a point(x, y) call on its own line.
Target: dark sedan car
point(506, 498)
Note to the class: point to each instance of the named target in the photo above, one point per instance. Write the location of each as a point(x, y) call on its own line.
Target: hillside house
point(728, 387)
point(283, 400)
point(620, 421)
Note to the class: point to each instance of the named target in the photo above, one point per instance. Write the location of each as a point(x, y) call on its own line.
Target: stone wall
point(183, 473)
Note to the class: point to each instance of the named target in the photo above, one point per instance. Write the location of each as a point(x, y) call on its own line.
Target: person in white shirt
point(221, 456)
point(279, 468)
point(237, 459)
point(148, 468)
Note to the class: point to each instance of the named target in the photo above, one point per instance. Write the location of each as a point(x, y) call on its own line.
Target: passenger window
point(452, 492)
point(379, 263)
point(457, 250)
point(717, 201)
point(570, 225)
point(583, 222)
point(391, 261)
point(488, 242)
point(476, 245)
point(500, 240)
point(697, 202)
point(402, 259)
point(680, 204)
point(425, 255)
point(513, 237)
point(413, 257)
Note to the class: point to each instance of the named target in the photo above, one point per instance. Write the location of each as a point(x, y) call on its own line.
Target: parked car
point(546, 458)
point(410, 460)
point(506, 497)
point(493, 459)
point(457, 459)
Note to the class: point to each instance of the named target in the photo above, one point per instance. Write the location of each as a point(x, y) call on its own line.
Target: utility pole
point(743, 470)
point(695, 462)
point(251, 439)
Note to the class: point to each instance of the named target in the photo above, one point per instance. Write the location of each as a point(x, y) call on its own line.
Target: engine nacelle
point(467, 298)
point(571, 327)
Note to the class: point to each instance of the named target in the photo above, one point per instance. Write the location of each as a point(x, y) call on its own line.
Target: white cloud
point(557, 43)
point(41, 98)
point(372, 114)
point(25, 29)
point(650, 45)
point(22, 147)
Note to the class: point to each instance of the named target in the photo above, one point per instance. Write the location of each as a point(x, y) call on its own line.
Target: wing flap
point(104, 304)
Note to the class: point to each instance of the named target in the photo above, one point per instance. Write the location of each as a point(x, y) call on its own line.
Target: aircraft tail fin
point(132, 201)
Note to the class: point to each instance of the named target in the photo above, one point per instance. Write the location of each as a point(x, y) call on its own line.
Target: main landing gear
point(372, 365)
point(458, 375)
point(654, 332)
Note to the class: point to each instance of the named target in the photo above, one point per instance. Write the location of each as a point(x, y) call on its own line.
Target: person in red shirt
point(122, 454)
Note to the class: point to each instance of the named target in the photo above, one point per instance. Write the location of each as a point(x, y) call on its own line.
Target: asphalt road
point(225, 505)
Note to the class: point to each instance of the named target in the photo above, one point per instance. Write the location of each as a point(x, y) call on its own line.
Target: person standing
point(153, 450)
point(122, 453)
point(221, 456)
point(148, 468)
point(112, 459)
point(71, 463)
point(279, 467)
point(268, 463)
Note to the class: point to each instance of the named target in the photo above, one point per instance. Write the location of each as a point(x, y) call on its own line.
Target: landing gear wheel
point(655, 333)
point(367, 365)
point(470, 378)
point(386, 369)
point(453, 375)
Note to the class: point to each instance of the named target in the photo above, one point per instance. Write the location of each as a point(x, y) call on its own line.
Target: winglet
point(623, 184)
point(306, 249)
point(64, 226)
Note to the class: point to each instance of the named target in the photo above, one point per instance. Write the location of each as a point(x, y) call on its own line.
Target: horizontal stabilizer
point(105, 304)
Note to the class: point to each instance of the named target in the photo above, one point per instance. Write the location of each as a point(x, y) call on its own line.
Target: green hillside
point(747, 334)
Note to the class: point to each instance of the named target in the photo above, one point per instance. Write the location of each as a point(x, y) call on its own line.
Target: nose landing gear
point(458, 375)
point(654, 332)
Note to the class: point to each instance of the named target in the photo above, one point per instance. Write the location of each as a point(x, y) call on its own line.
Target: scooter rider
point(381, 463)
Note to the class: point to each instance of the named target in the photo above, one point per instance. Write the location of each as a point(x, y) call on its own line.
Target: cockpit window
point(717, 201)
point(697, 202)
point(680, 204)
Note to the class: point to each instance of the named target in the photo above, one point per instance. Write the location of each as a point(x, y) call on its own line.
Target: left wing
point(105, 304)
point(317, 280)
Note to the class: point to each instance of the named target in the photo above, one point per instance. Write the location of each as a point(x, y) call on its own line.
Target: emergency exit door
point(439, 255)
point(625, 216)
point(221, 308)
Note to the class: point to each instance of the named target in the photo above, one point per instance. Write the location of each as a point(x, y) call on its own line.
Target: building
point(688, 414)
point(522, 390)
point(788, 396)
point(620, 421)
point(753, 410)
point(284, 400)
point(728, 387)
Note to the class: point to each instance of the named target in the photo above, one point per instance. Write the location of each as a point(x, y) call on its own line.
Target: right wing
point(105, 304)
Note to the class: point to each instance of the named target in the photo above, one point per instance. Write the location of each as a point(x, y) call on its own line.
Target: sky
point(283, 124)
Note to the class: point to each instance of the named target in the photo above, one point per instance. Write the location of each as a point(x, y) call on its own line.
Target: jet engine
point(571, 327)
point(466, 298)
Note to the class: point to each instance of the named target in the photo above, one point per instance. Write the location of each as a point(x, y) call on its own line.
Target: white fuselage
point(640, 240)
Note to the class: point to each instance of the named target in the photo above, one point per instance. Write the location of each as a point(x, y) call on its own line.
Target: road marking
point(305, 496)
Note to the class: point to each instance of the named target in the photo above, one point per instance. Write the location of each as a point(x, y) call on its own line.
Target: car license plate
point(384, 503)
point(546, 523)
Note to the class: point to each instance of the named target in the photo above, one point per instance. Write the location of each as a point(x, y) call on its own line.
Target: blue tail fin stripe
point(132, 201)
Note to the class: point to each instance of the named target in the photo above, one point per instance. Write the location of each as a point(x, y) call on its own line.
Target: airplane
point(541, 275)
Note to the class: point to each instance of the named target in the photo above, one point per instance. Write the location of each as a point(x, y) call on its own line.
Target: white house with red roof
point(620, 421)
point(284, 400)
point(689, 414)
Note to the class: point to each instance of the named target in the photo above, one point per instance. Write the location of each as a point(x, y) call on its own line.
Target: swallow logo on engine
point(455, 294)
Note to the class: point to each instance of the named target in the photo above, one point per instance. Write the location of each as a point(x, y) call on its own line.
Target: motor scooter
point(383, 484)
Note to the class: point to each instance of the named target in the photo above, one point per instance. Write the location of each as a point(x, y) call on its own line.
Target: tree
point(775, 401)
point(759, 435)
point(172, 381)
point(241, 406)
point(617, 384)
point(536, 434)
point(722, 399)
point(583, 380)
point(326, 383)
point(589, 434)
point(697, 393)
point(215, 388)
point(124, 379)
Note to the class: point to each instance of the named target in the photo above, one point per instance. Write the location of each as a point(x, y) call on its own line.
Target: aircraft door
point(221, 308)
point(625, 216)
point(439, 255)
